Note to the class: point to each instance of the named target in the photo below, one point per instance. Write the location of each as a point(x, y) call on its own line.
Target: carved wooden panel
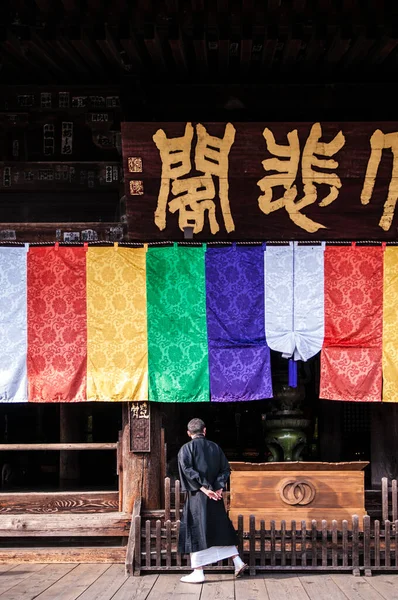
point(140, 427)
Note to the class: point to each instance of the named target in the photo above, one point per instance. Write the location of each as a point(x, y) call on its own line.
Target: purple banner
point(239, 357)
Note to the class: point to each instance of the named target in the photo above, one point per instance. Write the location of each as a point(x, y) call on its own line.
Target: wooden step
point(55, 502)
point(65, 525)
point(87, 554)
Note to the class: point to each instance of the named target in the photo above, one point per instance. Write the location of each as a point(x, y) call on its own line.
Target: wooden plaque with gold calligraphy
point(140, 427)
point(261, 181)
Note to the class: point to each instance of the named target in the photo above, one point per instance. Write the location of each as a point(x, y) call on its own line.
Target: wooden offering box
point(302, 491)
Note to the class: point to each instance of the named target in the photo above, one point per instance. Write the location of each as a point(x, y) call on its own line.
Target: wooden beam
point(246, 47)
point(290, 51)
point(17, 49)
point(63, 53)
point(176, 43)
point(132, 54)
point(54, 554)
point(108, 46)
point(65, 446)
point(37, 47)
point(153, 45)
point(57, 502)
point(72, 7)
point(270, 45)
point(64, 524)
point(87, 50)
point(382, 50)
point(358, 50)
point(338, 47)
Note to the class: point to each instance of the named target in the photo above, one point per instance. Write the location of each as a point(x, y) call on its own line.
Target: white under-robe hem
point(212, 555)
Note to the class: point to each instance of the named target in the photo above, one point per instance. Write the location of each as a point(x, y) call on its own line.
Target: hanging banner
point(117, 348)
point(13, 325)
point(261, 181)
point(57, 332)
point(390, 326)
point(294, 300)
point(352, 352)
point(177, 336)
point(239, 357)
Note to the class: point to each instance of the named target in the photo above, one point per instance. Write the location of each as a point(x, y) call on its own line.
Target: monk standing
point(206, 532)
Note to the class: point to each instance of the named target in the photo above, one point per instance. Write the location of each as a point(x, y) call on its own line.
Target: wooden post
point(384, 498)
point(366, 546)
point(141, 470)
point(70, 430)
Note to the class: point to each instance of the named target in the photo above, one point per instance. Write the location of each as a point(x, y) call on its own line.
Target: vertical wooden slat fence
point(264, 547)
point(389, 499)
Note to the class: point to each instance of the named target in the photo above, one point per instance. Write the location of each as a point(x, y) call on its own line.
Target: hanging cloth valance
point(177, 336)
point(390, 326)
point(238, 353)
point(57, 335)
point(294, 300)
point(117, 350)
point(13, 325)
point(352, 352)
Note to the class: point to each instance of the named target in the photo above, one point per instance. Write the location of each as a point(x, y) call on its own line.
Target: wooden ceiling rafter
point(80, 43)
point(209, 39)
point(18, 50)
point(64, 47)
point(111, 49)
point(383, 48)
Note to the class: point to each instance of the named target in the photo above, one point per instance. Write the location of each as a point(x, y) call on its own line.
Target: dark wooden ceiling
point(254, 41)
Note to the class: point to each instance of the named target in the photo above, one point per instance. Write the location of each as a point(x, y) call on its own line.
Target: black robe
point(204, 522)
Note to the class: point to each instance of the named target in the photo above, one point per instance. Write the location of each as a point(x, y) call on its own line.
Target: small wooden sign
point(140, 427)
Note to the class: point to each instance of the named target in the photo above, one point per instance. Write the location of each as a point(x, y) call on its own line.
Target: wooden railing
point(296, 546)
point(62, 446)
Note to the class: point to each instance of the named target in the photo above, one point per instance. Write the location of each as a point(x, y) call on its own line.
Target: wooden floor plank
point(357, 588)
point(322, 587)
point(106, 586)
point(74, 583)
point(16, 574)
point(64, 554)
point(169, 587)
point(285, 587)
point(218, 587)
point(251, 588)
point(37, 583)
point(6, 567)
point(386, 585)
point(136, 588)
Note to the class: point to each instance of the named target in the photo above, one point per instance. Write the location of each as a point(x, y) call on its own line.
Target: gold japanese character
point(378, 142)
point(139, 410)
point(287, 171)
point(194, 195)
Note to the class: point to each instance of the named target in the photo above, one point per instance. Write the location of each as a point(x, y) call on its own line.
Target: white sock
point(198, 571)
point(238, 562)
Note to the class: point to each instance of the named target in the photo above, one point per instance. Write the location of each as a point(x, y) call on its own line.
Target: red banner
point(57, 324)
point(352, 350)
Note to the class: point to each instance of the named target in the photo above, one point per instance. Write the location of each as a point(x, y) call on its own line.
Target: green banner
point(177, 335)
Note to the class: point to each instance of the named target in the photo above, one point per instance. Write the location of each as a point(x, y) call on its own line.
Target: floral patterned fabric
point(390, 326)
point(177, 336)
point(117, 361)
point(239, 357)
point(13, 325)
point(294, 300)
point(352, 352)
point(57, 337)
